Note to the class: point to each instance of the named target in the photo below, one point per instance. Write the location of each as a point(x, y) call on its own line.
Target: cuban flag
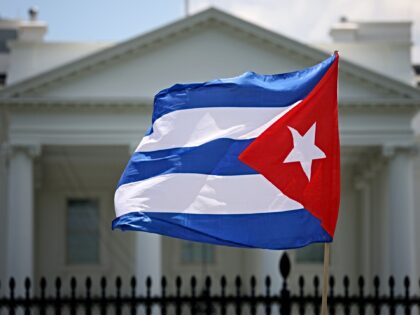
point(250, 161)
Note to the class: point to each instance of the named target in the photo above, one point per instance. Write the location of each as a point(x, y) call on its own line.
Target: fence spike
point(42, 304)
point(391, 283)
point(208, 284)
point(12, 285)
point(27, 286)
point(133, 285)
point(267, 295)
point(178, 306)
point(301, 283)
point(43, 286)
point(163, 284)
point(133, 304)
point(193, 285)
point(223, 284)
point(376, 306)
point(407, 308)
point(316, 285)
point(253, 283)
point(103, 305)
point(88, 285)
point(284, 266)
point(362, 306)
point(407, 285)
point(361, 283)
point(149, 285)
point(178, 284)
point(103, 287)
point(331, 283)
point(267, 285)
point(238, 283)
point(376, 284)
point(58, 287)
point(208, 309)
point(346, 283)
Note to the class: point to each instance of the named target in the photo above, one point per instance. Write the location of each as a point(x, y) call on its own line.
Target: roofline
point(211, 15)
point(146, 103)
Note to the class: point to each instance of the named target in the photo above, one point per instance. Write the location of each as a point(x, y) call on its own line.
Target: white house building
point(72, 113)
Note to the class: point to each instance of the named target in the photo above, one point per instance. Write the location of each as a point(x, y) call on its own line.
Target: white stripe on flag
point(193, 127)
point(202, 194)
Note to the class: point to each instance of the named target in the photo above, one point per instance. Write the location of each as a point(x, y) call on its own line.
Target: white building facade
point(71, 114)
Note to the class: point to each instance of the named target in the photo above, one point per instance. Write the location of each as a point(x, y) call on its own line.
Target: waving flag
point(251, 161)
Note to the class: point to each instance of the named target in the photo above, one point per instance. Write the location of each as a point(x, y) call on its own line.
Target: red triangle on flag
point(300, 153)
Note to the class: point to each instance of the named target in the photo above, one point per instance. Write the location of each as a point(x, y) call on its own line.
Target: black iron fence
point(191, 300)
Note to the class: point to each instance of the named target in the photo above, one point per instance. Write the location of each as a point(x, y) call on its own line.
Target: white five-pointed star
point(304, 150)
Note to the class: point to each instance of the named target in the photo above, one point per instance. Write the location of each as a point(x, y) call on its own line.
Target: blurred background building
point(72, 113)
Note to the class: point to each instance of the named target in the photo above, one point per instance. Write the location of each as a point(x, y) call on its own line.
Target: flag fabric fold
point(251, 161)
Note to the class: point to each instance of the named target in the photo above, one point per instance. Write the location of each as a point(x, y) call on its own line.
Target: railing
point(206, 302)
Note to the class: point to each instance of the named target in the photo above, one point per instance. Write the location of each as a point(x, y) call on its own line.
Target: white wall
point(392, 60)
point(27, 59)
point(212, 53)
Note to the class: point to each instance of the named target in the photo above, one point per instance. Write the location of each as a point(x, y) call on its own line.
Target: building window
point(82, 232)
point(2, 79)
point(196, 253)
point(311, 254)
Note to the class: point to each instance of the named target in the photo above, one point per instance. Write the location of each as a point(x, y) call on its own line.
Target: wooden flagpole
point(324, 305)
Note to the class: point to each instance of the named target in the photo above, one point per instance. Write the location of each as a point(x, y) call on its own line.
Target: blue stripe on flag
point(288, 229)
point(217, 157)
point(248, 90)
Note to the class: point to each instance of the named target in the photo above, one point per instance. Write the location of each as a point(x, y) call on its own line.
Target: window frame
point(104, 263)
point(200, 263)
point(66, 233)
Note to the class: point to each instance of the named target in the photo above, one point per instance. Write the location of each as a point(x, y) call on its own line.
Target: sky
point(112, 20)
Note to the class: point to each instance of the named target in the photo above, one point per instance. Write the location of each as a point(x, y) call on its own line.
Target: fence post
point(12, 306)
point(57, 296)
point(193, 295)
point(103, 306)
point(238, 307)
point(301, 295)
point(223, 284)
point(285, 293)
point(118, 304)
point(331, 299)
point(362, 304)
point(391, 283)
point(133, 306)
point(73, 305)
point(253, 304)
point(346, 304)
point(27, 296)
point(163, 284)
point(42, 304)
point(267, 295)
point(407, 307)
point(317, 299)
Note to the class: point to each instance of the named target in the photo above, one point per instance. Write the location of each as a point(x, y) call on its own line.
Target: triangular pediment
point(206, 46)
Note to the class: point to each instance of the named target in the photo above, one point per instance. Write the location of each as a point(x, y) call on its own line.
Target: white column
point(148, 259)
point(3, 209)
point(401, 223)
point(20, 214)
point(363, 186)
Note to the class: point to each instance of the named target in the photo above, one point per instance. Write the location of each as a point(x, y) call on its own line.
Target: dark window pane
point(311, 254)
point(82, 237)
point(196, 253)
